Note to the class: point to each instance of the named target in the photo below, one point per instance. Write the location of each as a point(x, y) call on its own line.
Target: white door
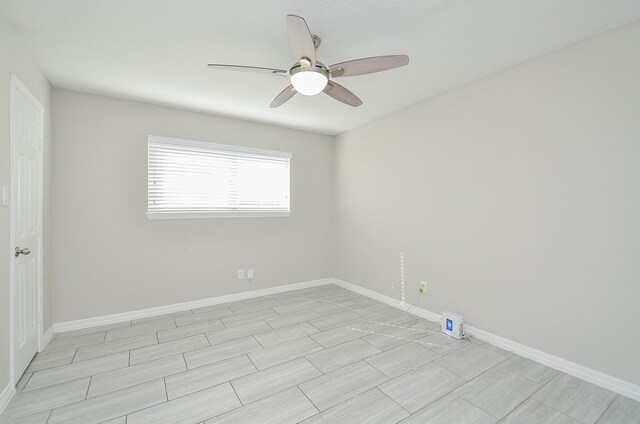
point(26, 199)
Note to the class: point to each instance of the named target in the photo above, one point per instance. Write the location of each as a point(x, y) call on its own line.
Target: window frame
point(232, 148)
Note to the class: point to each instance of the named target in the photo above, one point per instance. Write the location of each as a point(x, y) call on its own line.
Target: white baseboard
point(614, 384)
point(61, 327)
point(6, 395)
point(46, 338)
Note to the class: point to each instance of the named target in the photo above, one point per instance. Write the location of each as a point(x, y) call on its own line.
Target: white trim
point(48, 336)
point(16, 84)
point(614, 384)
point(6, 395)
point(61, 327)
point(215, 146)
point(198, 215)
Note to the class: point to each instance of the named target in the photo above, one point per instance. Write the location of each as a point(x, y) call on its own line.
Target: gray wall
point(517, 197)
point(109, 258)
point(14, 59)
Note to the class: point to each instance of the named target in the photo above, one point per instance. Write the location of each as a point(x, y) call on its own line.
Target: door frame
point(18, 86)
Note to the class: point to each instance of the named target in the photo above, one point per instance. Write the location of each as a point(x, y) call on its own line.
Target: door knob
point(24, 251)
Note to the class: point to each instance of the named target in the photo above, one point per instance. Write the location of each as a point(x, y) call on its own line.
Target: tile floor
point(318, 355)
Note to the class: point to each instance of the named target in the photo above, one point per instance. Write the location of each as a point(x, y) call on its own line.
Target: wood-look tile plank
point(450, 410)
point(335, 320)
point(622, 411)
point(219, 352)
point(41, 362)
point(576, 398)
point(441, 343)
point(274, 380)
point(338, 335)
point(91, 330)
point(285, 352)
point(397, 361)
point(131, 376)
point(326, 309)
point(340, 385)
point(188, 330)
point(292, 318)
point(204, 316)
point(372, 407)
point(163, 350)
point(37, 401)
point(422, 386)
point(254, 306)
point(164, 317)
point(116, 346)
point(74, 342)
point(189, 409)
point(206, 376)
point(532, 370)
point(295, 306)
point(140, 329)
point(40, 418)
point(240, 319)
point(244, 330)
point(470, 361)
point(331, 359)
point(288, 406)
point(285, 334)
point(112, 405)
point(534, 412)
point(387, 337)
point(497, 391)
point(75, 371)
point(119, 420)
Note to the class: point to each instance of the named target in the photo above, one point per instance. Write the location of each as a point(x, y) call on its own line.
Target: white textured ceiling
point(157, 50)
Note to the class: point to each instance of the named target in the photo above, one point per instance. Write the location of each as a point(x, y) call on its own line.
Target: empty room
point(320, 211)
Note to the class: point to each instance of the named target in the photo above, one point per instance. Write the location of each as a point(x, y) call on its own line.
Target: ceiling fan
point(309, 76)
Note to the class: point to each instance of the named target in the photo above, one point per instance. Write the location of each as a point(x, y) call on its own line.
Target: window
point(196, 179)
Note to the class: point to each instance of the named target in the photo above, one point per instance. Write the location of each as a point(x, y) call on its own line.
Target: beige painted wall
point(14, 59)
point(109, 258)
point(517, 197)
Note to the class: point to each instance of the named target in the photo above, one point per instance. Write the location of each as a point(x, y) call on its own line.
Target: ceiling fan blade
point(341, 94)
point(301, 40)
point(284, 96)
point(243, 68)
point(368, 65)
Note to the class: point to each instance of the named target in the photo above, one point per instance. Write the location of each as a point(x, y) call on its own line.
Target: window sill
point(200, 215)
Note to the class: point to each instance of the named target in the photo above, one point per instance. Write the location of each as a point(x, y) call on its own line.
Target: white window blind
point(193, 179)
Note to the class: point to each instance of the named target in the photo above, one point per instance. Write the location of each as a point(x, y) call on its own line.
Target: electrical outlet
point(250, 274)
point(423, 287)
point(241, 274)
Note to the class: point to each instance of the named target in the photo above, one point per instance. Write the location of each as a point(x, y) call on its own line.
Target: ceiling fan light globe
point(309, 82)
